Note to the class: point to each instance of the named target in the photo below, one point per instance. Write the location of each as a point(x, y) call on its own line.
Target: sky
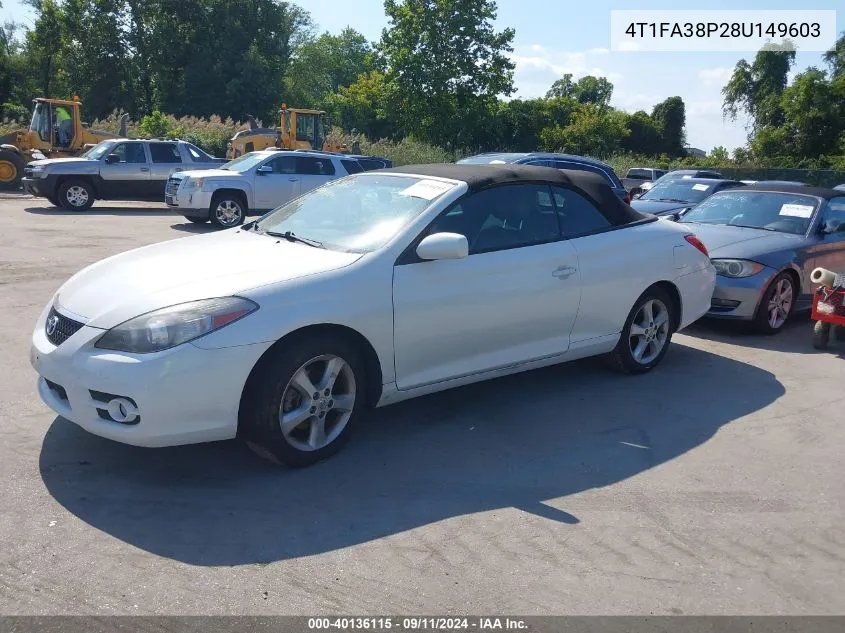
point(554, 37)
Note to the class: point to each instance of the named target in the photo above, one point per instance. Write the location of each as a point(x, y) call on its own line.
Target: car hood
point(658, 208)
point(57, 161)
point(231, 262)
point(735, 241)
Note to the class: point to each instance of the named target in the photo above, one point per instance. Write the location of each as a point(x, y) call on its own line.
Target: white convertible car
point(372, 289)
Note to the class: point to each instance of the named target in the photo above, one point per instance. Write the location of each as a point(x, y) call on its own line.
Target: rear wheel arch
point(372, 365)
point(677, 304)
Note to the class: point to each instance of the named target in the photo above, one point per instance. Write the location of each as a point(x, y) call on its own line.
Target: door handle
point(145, 169)
point(179, 169)
point(564, 272)
point(293, 179)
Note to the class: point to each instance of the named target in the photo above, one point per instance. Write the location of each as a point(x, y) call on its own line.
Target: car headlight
point(162, 329)
point(192, 184)
point(736, 268)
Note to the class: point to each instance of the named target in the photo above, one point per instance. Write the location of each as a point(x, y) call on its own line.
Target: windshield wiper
point(672, 200)
point(748, 226)
point(291, 237)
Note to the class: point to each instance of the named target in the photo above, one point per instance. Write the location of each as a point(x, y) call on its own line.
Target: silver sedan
point(764, 242)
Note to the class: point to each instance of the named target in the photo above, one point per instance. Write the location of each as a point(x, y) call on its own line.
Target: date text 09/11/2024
point(723, 29)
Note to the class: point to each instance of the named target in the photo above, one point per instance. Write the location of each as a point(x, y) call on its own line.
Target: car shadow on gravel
point(513, 442)
point(95, 210)
point(192, 227)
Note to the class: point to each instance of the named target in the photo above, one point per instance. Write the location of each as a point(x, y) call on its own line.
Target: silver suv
point(252, 184)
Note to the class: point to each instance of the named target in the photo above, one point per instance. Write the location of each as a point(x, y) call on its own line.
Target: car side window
point(834, 211)
point(165, 153)
point(351, 166)
point(197, 155)
point(501, 218)
point(582, 167)
point(283, 165)
point(577, 214)
point(310, 166)
point(130, 153)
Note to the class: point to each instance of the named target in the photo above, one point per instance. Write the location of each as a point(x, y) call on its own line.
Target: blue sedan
point(764, 242)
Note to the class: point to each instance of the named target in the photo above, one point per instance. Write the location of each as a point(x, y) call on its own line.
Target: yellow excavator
point(299, 128)
point(56, 131)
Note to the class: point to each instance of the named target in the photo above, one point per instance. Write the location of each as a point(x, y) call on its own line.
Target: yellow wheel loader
point(298, 129)
point(56, 131)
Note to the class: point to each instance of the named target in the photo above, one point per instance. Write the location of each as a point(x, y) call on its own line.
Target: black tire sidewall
point(761, 319)
point(62, 197)
point(223, 198)
point(821, 334)
point(622, 356)
point(195, 220)
point(259, 416)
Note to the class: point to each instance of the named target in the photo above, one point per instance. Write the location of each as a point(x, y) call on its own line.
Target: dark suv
point(558, 161)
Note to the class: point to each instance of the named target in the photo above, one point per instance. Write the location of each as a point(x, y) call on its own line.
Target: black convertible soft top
point(479, 177)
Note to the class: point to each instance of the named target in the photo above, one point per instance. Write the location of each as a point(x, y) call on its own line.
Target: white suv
point(252, 184)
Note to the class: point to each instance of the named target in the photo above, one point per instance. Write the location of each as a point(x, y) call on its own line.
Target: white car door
point(615, 265)
point(314, 172)
point(512, 300)
point(276, 187)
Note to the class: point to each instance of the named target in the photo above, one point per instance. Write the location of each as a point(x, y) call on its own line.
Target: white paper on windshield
point(687, 177)
point(700, 187)
point(797, 210)
point(426, 189)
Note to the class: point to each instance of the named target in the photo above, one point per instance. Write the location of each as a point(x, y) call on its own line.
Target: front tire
point(53, 200)
point(646, 334)
point(76, 195)
point(227, 211)
point(302, 400)
point(11, 170)
point(195, 220)
point(777, 305)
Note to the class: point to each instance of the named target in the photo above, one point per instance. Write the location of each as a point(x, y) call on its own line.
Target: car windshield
point(244, 163)
point(678, 190)
point(99, 150)
point(782, 212)
point(359, 213)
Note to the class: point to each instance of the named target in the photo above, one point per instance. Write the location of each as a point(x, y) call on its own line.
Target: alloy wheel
point(780, 304)
point(228, 213)
point(317, 402)
point(649, 331)
point(77, 196)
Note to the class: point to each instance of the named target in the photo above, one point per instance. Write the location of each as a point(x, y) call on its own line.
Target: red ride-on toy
point(828, 307)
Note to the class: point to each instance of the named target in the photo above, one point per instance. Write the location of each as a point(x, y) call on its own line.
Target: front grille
point(59, 328)
point(172, 186)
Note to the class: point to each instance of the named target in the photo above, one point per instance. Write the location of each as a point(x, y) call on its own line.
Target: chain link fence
point(817, 177)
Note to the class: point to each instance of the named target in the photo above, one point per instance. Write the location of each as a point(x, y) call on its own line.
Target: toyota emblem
point(52, 323)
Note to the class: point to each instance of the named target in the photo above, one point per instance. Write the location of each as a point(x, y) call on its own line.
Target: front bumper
point(195, 204)
point(739, 298)
point(183, 395)
point(31, 186)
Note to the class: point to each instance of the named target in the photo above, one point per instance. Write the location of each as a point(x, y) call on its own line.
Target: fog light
point(122, 410)
point(723, 303)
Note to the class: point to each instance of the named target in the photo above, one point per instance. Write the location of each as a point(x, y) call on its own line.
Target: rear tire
point(821, 334)
point(227, 210)
point(839, 333)
point(11, 170)
point(302, 400)
point(76, 195)
point(777, 305)
point(646, 334)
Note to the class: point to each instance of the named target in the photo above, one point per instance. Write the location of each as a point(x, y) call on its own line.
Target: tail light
point(692, 239)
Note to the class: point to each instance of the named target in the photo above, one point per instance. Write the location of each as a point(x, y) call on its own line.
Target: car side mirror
point(674, 216)
point(264, 169)
point(111, 159)
point(636, 196)
point(831, 226)
point(443, 246)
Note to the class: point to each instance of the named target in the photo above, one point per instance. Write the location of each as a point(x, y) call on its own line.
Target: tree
point(643, 135)
point(519, 122)
point(563, 87)
point(669, 117)
point(719, 154)
point(593, 130)
point(596, 90)
point(44, 46)
point(813, 114)
point(835, 57)
point(364, 105)
point(448, 64)
point(756, 88)
point(321, 66)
